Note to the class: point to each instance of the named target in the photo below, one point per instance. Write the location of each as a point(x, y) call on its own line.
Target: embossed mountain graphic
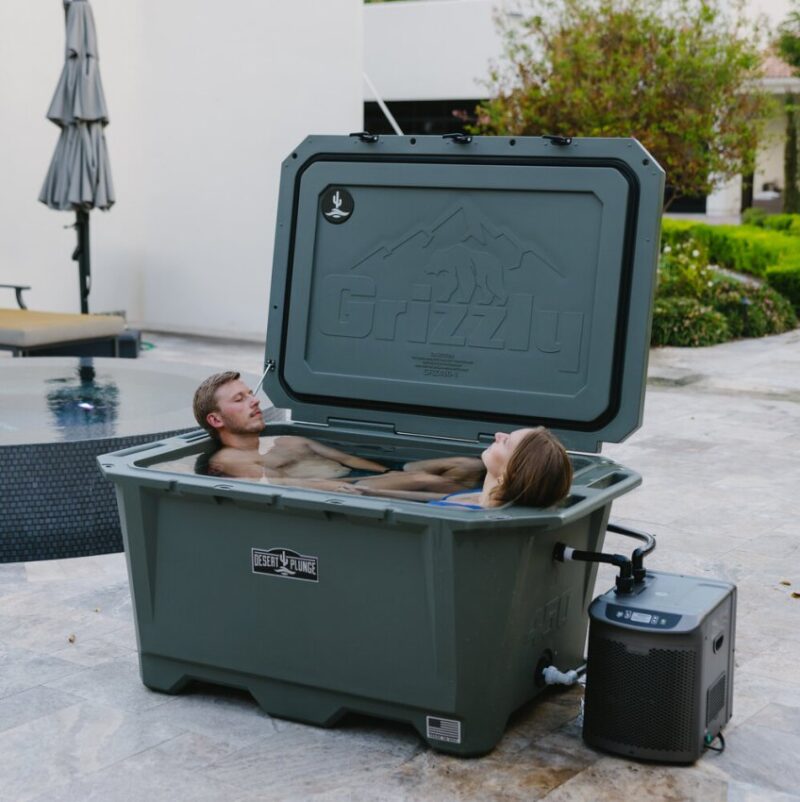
point(462, 256)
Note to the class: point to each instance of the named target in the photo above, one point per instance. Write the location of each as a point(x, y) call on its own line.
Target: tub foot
point(467, 735)
point(162, 675)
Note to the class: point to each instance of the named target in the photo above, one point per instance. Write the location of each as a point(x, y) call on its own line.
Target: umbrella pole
point(81, 256)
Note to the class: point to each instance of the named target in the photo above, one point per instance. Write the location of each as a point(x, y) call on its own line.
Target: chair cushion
point(22, 328)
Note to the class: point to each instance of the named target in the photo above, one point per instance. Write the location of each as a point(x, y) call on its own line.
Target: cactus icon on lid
point(337, 205)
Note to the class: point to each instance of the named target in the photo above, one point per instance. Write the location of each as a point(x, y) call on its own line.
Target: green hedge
point(788, 223)
point(785, 278)
point(746, 249)
point(768, 248)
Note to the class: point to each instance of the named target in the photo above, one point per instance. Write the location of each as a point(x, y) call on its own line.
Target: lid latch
point(366, 136)
point(557, 139)
point(462, 139)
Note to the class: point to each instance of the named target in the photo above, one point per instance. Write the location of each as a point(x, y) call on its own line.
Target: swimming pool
point(56, 415)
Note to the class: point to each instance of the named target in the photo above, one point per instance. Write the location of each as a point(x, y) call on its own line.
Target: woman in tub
point(527, 466)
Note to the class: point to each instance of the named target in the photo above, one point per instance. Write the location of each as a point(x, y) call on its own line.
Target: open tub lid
point(451, 288)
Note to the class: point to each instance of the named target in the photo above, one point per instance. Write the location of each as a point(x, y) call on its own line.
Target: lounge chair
point(27, 333)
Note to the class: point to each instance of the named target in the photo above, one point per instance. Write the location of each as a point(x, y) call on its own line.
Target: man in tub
point(227, 409)
point(526, 466)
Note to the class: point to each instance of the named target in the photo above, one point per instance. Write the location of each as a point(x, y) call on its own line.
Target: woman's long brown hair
point(538, 474)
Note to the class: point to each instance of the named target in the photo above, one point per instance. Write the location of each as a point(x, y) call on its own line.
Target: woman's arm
point(466, 471)
point(407, 495)
point(335, 485)
point(417, 481)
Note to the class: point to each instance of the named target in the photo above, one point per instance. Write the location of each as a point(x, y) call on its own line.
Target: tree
point(791, 195)
point(789, 49)
point(679, 75)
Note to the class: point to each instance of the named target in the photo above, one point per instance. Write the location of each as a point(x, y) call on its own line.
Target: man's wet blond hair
point(205, 398)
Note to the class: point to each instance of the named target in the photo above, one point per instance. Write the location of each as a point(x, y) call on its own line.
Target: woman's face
point(496, 457)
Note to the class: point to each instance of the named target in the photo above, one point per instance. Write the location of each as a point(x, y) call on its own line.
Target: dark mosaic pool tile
point(69, 511)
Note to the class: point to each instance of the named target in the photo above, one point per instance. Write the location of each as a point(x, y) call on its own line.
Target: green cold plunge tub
point(426, 292)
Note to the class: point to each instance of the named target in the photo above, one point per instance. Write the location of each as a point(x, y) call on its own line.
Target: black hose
point(625, 580)
point(637, 558)
point(631, 570)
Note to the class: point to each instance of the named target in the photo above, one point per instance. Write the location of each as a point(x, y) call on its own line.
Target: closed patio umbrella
point(79, 178)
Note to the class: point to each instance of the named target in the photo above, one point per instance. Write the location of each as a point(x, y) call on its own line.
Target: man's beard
point(251, 426)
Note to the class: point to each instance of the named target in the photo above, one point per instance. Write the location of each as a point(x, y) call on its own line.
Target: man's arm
point(345, 459)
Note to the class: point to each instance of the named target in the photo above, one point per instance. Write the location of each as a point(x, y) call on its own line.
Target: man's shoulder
point(228, 454)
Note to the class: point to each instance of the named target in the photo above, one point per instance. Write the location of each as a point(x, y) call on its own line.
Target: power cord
point(720, 748)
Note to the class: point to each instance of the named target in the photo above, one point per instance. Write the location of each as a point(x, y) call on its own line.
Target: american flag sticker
point(443, 729)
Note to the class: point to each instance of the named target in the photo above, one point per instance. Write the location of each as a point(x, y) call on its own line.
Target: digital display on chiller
point(646, 618)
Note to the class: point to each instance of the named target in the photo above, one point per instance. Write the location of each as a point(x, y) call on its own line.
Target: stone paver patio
point(720, 454)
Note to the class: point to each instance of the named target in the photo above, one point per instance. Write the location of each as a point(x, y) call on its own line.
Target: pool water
point(199, 464)
point(83, 398)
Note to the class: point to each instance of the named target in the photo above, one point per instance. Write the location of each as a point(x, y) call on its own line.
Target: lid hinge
point(269, 366)
point(362, 424)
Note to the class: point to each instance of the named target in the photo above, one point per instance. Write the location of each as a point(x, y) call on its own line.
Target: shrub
point(752, 311)
point(785, 278)
point(746, 309)
point(685, 321)
point(753, 216)
point(683, 269)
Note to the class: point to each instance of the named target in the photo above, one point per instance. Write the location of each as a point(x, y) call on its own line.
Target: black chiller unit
point(659, 682)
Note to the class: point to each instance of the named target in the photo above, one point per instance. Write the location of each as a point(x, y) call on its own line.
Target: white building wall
point(726, 200)
point(769, 159)
point(430, 49)
point(773, 11)
point(206, 100)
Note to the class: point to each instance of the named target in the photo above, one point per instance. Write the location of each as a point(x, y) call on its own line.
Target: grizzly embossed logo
point(461, 282)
